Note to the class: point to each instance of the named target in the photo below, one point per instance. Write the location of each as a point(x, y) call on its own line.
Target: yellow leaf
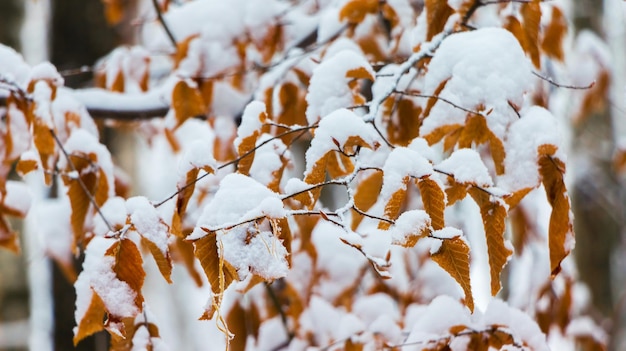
point(493, 214)
point(92, 321)
point(129, 267)
point(206, 250)
point(365, 195)
point(560, 232)
point(187, 102)
point(437, 14)
point(433, 198)
point(356, 10)
point(453, 257)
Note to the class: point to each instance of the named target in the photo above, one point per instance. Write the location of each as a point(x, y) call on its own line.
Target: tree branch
point(157, 8)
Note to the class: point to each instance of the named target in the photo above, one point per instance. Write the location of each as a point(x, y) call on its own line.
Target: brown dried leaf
point(560, 232)
point(219, 272)
point(129, 267)
point(392, 208)
point(365, 195)
point(79, 200)
point(237, 324)
point(434, 200)
point(92, 321)
point(493, 214)
point(24, 167)
point(553, 34)
point(247, 144)
point(453, 257)
point(8, 238)
point(531, 13)
point(187, 102)
point(437, 14)
point(359, 73)
point(355, 10)
point(45, 144)
point(184, 251)
point(163, 261)
point(455, 192)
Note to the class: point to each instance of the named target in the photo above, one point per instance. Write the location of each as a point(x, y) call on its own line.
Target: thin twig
point(301, 129)
point(80, 181)
point(157, 8)
point(362, 213)
point(549, 80)
point(416, 94)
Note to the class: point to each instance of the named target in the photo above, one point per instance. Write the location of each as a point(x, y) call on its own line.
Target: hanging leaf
point(437, 14)
point(493, 214)
point(219, 272)
point(434, 200)
point(453, 257)
point(187, 102)
point(129, 267)
point(91, 322)
point(553, 34)
point(365, 195)
point(355, 10)
point(560, 232)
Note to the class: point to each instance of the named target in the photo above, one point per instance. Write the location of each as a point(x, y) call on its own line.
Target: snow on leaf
point(91, 321)
point(327, 91)
point(560, 232)
point(467, 168)
point(453, 257)
point(434, 200)
point(410, 227)
point(112, 270)
point(247, 134)
point(493, 213)
point(153, 230)
point(239, 199)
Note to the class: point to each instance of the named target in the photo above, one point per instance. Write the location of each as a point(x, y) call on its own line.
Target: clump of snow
point(250, 121)
point(46, 71)
point(199, 154)
point(409, 224)
point(521, 326)
point(18, 197)
point(132, 63)
point(402, 162)
point(268, 159)
point(147, 221)
point(485, 67)
point(435, 320)
point(115, 213)
point(329, 87)
point(536, 127)
point(238, 199)
point(466, 166)
point(98, 277)
point(334, 131)
point(250, 250)
point(13, 67)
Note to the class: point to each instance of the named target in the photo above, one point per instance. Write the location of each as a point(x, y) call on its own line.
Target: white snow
point(147, 222)
point(467, 167)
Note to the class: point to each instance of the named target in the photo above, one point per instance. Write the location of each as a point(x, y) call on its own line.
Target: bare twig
point(549, 80)
point(157, 8)
point(416, 94)
point(80, 181)
point(362, 213)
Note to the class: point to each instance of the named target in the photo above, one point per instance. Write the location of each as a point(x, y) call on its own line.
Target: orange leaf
point(531, 13)
point(453, 257)
point(247, 144)
point(433, 198)
point(359, 73)
point(365, 195)
point(455, 192)
point(236, 319)
point(392, 208)
point(315, 176)
point(163, 261)
point(187, 102)
point(493, 214)
point(8, 238)
point(356, 10)
point(79, 199)
point(207, 251)
point(44, 142)
point(92, 321)
point(129, 267)
point(553, 34)
point(184, 251)
point(437, 14)
point(560, 232)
